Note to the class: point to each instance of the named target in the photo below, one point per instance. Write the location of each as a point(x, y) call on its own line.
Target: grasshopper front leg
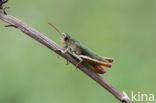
point(74, 54)
point(65, 51)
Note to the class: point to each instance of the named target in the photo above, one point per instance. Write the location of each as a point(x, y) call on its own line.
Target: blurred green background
point(122, 29)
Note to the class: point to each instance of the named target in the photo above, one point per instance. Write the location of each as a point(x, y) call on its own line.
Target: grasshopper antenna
point(55, 28)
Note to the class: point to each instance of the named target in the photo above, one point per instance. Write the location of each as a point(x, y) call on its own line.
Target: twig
point(56, 48)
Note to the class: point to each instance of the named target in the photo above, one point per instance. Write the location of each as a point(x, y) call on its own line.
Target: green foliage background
point(122, 29)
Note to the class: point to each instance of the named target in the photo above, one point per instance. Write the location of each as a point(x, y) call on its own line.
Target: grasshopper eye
point(65, 37)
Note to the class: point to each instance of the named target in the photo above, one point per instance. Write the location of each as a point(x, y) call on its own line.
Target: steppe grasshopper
point(83, 54)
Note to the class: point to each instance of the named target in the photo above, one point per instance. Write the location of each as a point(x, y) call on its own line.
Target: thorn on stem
point(11, 26)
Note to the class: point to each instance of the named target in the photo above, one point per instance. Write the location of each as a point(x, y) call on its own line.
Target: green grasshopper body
point(83, 53)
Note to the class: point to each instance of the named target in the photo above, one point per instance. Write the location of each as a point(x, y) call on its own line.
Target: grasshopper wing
point(96, 68)
point(95, 62)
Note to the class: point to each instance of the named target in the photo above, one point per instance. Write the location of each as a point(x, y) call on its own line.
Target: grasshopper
point(83, 54)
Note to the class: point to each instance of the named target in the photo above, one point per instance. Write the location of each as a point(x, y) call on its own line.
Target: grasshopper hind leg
point(108, 60)
point(79, 63)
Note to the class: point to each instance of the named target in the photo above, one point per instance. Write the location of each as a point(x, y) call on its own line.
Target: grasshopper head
point(65, 38)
